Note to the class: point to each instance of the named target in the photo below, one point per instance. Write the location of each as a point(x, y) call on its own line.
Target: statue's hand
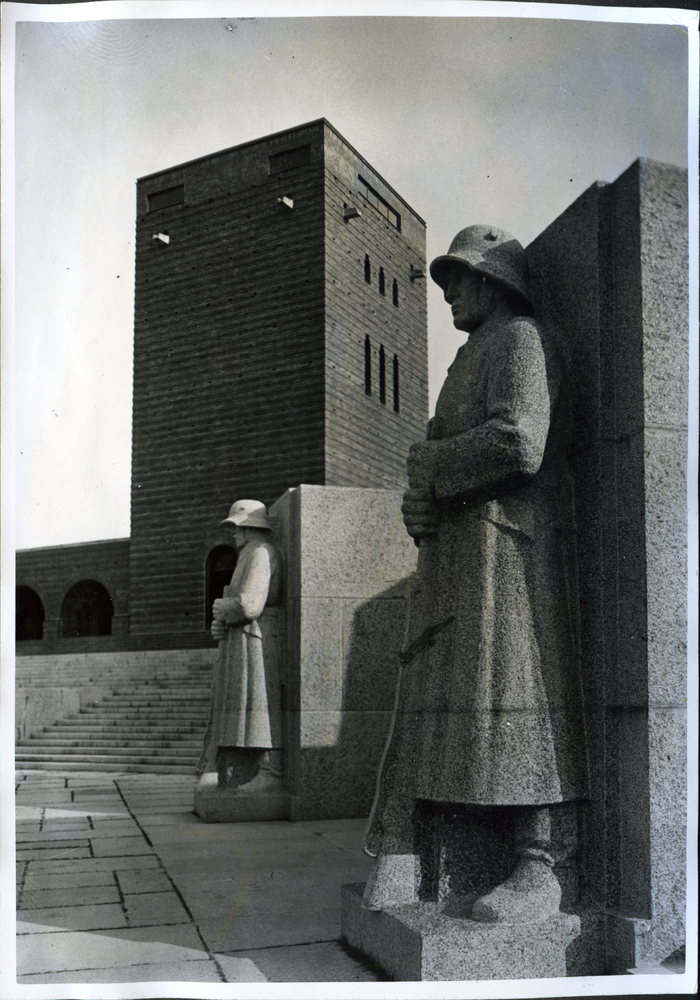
point(420, 513)
point(420, 465)
point(218, 631)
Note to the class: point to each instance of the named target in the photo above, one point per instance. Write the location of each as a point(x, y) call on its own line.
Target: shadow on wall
point(339, 779)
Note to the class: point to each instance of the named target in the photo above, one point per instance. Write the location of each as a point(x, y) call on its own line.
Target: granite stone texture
point(225, 805)
point(347, 558)
point(419, 942)
point(611, 278)
point(487, 735)
point(36, 708)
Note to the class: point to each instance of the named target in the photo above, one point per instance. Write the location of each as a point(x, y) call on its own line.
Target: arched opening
point(86, 610)
point(29, 614)
point(221, 563)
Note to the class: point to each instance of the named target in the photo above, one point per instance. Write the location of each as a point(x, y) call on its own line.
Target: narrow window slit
point(396, 383)
point(395, 292)
point(368, 270)
point(382, 287)
point(382, 375)
point(368, 366)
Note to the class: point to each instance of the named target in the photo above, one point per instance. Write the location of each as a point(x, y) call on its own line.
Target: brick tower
point(280, 338)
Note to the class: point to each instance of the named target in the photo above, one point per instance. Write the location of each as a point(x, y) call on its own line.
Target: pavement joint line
point(22, 880)
point(179, 895)
point(102, 968)
point(98, 930)
point(272, 947)
point(122, 901)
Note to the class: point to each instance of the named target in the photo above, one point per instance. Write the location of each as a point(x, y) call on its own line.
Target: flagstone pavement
point(118, 881)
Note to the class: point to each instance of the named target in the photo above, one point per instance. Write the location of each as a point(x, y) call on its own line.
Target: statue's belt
point(424, 640)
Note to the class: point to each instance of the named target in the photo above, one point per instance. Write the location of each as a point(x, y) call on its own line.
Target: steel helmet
point(488, 251)
point(248, 514)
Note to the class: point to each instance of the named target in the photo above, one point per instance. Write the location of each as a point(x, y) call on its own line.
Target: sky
point(472, 119)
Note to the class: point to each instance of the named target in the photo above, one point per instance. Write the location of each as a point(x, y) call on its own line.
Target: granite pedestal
point(418, 942)
point(225, 805)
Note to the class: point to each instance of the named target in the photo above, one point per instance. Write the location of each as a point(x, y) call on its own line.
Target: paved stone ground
point(118, 881)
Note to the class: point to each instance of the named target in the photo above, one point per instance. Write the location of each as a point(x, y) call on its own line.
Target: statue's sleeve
point(249, 602)
point(505, 450)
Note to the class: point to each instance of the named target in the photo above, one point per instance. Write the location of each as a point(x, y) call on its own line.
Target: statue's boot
point(532, 892)
point(209, 779)
point(268, 780)
point(393, 881)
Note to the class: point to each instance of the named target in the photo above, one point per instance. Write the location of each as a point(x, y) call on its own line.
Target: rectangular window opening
point(382, 206)
point(396, 384)
point(289, 159)
point(164, 199)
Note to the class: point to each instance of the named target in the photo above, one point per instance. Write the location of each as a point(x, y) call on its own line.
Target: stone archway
point(29, 614)
point(220, 565)
point(87, 610)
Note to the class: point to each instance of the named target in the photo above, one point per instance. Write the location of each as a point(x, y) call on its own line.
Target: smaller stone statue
point(245, 723)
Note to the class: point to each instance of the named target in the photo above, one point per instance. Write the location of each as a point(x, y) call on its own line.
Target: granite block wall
point(347, 560)
point(611, 278)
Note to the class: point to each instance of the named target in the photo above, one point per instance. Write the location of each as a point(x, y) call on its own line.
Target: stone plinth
point(223, 805)
point(419, 943)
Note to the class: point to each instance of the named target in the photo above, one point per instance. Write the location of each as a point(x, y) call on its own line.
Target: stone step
point(22, 758)
point(152, 721)
point(151, 753)
point(107, 767)
point(109, 728)
point(118, 740)
point(142, 712)
point(177, 698)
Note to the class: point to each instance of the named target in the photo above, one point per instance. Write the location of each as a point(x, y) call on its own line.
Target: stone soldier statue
point(488, 724)
point(245, 718)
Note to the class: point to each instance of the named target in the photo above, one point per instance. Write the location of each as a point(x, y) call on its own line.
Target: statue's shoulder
point(524, 328)
point(517, 337)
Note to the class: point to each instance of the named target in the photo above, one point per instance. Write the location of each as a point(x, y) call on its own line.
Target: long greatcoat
point(489, 709)
point(245, 705)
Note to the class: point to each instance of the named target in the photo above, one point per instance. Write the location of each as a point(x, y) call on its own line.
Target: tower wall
point(367, 440)
point(250, 321)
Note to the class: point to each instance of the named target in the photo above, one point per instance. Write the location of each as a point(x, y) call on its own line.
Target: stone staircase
point(151, 721)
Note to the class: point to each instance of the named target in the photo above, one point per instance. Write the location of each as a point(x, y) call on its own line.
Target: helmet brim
point(441, 266)
point(440, 270)
point(248, 522)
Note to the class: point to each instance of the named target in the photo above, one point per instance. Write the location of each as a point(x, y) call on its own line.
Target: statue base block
point(419, 943)
point(223, 805)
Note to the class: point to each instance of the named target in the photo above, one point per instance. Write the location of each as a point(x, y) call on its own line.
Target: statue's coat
point(489, 712)
point(245, 705)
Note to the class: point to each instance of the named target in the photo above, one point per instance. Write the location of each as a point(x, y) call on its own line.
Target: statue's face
point(240, 537)
point(464, 291)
